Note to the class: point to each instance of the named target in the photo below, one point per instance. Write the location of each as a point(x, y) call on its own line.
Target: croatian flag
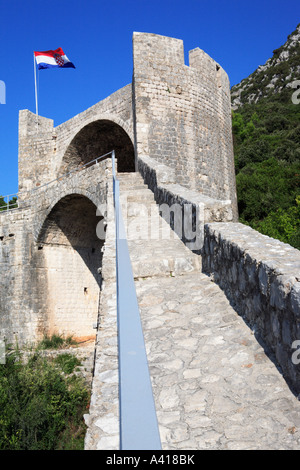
point(52, 59)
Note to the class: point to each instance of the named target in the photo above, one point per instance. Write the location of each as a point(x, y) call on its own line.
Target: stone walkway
point(214, 386)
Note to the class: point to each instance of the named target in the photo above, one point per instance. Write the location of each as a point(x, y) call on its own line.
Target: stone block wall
point(176, 114)
point(45, 288)
point(184, 209)
point(162, 181)
point(261, 277)
point(173, 117)
point(23, 288)
point(116, 108)
point(36, 151)
point(90, 182)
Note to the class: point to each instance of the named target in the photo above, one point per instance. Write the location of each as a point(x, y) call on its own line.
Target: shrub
point(41, 408)
point(67, 362)
point(283, 225)
point(265, 187)
point(266, 137)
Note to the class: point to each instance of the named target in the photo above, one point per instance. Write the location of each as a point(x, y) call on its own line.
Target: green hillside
point(266, 136)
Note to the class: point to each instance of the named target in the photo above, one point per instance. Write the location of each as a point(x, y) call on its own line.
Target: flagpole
point(36, 97)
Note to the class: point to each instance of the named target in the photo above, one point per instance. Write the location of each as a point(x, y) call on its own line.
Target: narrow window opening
point(219, 82)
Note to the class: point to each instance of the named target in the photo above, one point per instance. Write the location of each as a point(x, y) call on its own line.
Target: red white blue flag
point(52, 59)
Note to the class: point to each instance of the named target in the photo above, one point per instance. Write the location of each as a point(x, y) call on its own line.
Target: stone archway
point(72, 258)
point(98, 138)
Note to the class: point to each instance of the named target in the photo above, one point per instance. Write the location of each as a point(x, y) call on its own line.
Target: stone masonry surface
point(214, 386)
point(162, 181)
point(261, 277)
point(46, 152)
point(171, 115)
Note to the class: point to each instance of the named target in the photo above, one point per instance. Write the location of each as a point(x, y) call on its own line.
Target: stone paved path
point(214, 386)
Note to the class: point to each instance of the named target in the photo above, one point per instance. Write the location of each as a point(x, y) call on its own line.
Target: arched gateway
point(95, 139)
point(72, 257)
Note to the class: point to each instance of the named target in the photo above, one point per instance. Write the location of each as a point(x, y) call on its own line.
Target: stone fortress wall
point(173, 125)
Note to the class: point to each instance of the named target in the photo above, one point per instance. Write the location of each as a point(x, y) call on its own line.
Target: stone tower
point(183, 115)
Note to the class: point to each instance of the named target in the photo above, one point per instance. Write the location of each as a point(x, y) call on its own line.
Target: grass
point(56, 342)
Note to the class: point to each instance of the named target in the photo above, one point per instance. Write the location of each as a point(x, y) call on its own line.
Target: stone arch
point(71, 253)
point(43, 215)
point(98, 137)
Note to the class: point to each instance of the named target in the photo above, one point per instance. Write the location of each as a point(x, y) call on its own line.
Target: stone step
point(132, 183)
point(145, 208)
point(128, 181)
point(161, 258)
point(137, 195)
point(129, 176)
point(155, 250)
point(127, 187)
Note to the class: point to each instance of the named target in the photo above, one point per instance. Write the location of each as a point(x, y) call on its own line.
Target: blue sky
point(97, 36)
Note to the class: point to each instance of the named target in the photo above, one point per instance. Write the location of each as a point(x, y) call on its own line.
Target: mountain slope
point(276, 76)
point(266, 136)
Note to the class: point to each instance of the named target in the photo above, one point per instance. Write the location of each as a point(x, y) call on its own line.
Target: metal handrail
point(138, 421)
point(31, 191)
point(92, 162)
point(9, 204)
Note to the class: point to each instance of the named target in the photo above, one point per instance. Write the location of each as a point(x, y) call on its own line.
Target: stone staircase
point(155, 249)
